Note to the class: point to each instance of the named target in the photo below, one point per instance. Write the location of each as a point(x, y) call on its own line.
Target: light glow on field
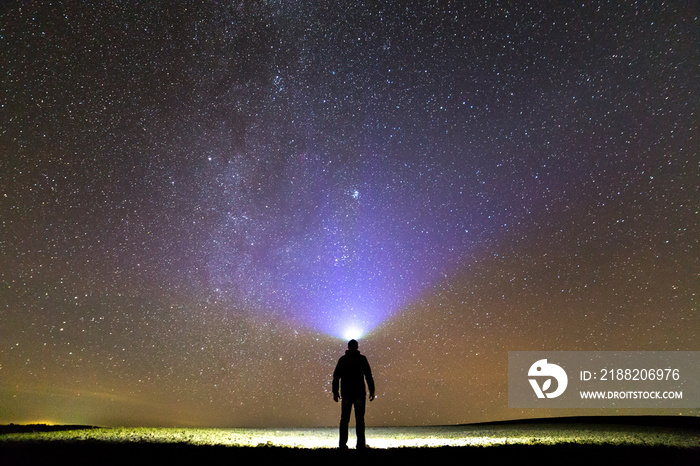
point(377, 437)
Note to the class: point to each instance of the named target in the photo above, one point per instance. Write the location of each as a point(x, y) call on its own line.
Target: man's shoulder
point(352, 357)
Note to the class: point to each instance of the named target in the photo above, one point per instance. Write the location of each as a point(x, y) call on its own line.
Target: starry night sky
point(198, 200)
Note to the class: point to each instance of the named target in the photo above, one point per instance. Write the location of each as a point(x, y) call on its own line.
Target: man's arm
point(336, 382)
point(370, 380)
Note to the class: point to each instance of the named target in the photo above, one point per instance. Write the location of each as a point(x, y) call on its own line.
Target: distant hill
point(665, 421)
point(21, 428)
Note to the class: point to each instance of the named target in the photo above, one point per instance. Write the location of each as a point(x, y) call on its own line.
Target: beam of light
point(352, 333)
point(327, 257)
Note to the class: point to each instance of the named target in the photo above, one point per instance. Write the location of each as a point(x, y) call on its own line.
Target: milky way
point(198, 201)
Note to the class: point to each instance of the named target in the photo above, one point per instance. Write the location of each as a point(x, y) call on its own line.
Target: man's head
point(352, 345)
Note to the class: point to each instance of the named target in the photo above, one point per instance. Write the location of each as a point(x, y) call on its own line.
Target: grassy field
point(644, 440)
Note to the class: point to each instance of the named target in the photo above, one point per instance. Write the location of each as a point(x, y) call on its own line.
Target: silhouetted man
point(350, 374)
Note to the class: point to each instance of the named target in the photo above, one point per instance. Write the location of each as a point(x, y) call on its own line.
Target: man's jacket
point(350, 374)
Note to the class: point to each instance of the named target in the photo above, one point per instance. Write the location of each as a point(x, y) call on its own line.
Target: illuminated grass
point(384, 438)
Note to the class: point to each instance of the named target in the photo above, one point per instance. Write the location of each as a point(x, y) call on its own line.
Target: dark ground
point(135, 454)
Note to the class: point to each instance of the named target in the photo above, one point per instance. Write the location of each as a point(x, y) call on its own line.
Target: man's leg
point(360, 420)
point(345, 407)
